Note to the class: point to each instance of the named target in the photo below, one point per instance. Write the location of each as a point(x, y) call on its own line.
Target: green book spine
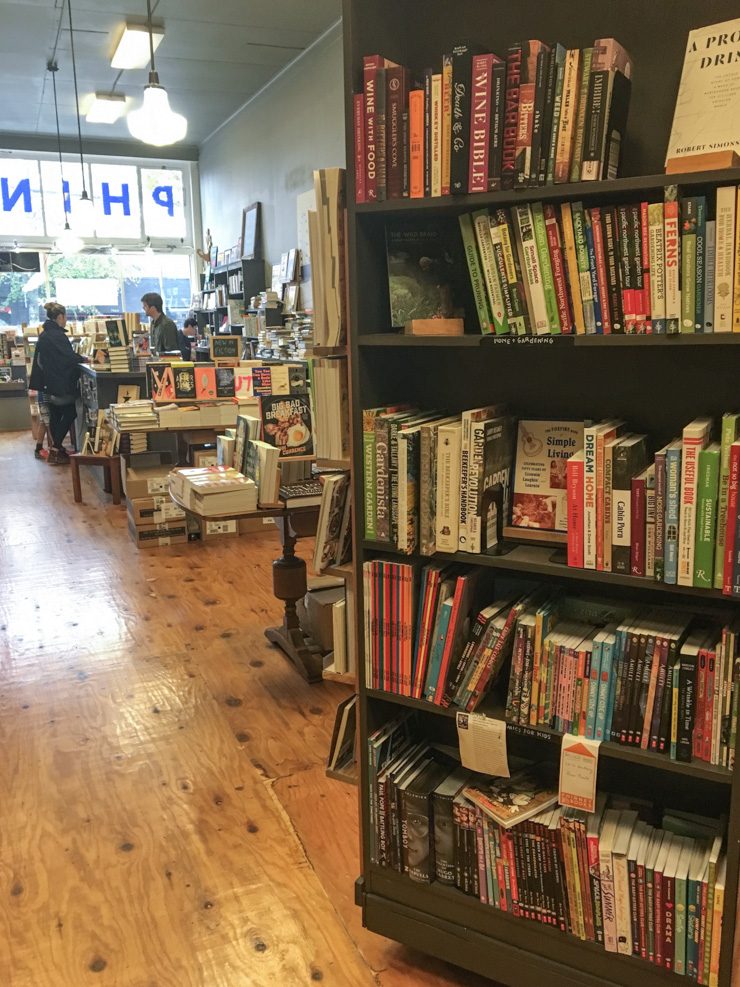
point(482, 227)
point(584, 268)
point(368, 454)
point(730, 424)
point(476, 275)
point(575, 168)
point(557, 106)
point(706, 516)
point(679, 935)
point(548, 282)
point(688, 263)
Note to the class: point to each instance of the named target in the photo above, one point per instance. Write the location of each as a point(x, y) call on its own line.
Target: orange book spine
point(416, 144)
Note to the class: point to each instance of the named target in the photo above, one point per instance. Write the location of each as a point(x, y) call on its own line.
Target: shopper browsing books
point(56, 370)
point(163, 329)
point(185, 337)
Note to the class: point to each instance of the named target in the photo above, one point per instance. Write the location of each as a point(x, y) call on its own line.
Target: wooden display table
point(289, 582)
point(111, 473)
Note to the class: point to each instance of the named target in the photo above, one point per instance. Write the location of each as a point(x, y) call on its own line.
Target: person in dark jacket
point(163, 331)
point(56, 370)
point(185, 337)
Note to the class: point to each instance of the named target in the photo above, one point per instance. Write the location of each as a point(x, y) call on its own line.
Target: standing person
point(56, 370)
point(163, 329)
point(42, 429)
point(185, 337)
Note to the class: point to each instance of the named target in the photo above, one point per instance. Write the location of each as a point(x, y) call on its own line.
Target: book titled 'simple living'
point(540, 476)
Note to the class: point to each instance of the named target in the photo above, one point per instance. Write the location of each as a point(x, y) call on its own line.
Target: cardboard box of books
point(205, 457)
point(169, 416)
point(218, 528)
point(154, 510)
point(190, 418)
point(210, 415)
point(157, 535)
point(228, 412)
point(145, 481)
point(256, 525)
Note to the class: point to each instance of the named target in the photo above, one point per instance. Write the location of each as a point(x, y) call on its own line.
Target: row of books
point(333, 545)
point(644, 268)
point(672, 517)
point(331, 407)
point(544, 114)
point(637, 881)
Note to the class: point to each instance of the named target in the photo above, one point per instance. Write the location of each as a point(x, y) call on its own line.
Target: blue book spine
point(435, 659)
point(701, 260)
point(619, 670)
point(592, 271)
point(593, 688)
point(672, 512)
point(693, 923)
point(603, 714)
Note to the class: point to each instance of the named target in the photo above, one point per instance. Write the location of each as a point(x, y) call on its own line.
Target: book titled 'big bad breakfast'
point(540, 476)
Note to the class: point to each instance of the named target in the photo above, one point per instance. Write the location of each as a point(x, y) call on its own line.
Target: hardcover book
point(509, 801)
point(424, 272)
point(286, 424)
point(540, 477)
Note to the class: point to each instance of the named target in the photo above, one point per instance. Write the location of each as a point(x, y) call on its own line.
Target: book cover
point(462, 62)
point(286, 424)
point(511, 115)
point(525, 113)
point(577, 159)
point(424, 271)
point(491, 462)
point(225, 386)
point(480, 116)
point(695, 438)
point(568, 114)
point(628, 460)
point(510, 801)
point(205, 383)
point(724, 269)
point(477, 281)
point(496, 129)
point(358, 106)
point(706, 515)
point(575, 489)
point(184, 381)
point(707, 114)
point(446, 122)
point(673, 454)
point(397, 84)
point(540, 479)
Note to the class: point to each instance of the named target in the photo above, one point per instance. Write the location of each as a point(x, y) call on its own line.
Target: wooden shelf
point(345, 678)
point(334, 464)
point(618, 188)
point(328, 351)
point(673, 341)
point(345, 571)
point(634, 755)
point(540, 560)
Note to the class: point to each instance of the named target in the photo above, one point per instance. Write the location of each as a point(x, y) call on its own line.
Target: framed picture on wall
point(251, 233)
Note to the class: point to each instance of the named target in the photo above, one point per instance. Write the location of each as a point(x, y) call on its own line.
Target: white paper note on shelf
point(579, 766)
point(483, 744)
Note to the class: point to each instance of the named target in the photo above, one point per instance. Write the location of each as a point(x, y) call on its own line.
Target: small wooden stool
point(111, 474)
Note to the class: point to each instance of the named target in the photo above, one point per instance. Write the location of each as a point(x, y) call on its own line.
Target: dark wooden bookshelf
point(656, 383)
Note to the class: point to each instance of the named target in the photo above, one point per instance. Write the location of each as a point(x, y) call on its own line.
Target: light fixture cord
point(52, 66)
point(151, 37)
point(77, 98)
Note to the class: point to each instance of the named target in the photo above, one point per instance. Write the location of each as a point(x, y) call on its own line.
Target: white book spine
point(475, 484)
point(589, 497)
point(724, 258)
point(531, 269)
point(436, 135)
point(657, 266)
point(622, 903)
point(608, 904)
point(692, 444)
point(671, 249)
point(465, 456)
point(482, 224)
point(448, 488)
point(402, 527)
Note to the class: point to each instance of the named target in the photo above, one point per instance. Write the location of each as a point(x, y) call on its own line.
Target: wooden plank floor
point(162, 765)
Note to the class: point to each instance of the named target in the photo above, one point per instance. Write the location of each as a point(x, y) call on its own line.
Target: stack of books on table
point(212, 491)
point(134, 416)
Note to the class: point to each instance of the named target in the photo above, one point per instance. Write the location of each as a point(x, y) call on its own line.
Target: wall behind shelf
point(267, 153)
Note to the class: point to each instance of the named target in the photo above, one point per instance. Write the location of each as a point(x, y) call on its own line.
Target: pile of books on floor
point(634, 878)
point(638, 676)
point(480, 122)
point(134, 416)
point(210, 491)
point(153, 518)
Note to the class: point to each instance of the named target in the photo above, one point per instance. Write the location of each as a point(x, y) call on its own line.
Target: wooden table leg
point(115, 479)
point(289, 585)
point(106, 477)
point(76, 486)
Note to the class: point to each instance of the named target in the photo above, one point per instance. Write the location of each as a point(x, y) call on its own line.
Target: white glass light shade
point(155, 122)
point(68, 242)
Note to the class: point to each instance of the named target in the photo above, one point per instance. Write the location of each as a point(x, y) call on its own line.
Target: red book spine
point(374, 656)
point(732, 498)
point(669, 905)
point(511, 114)
point(557, 263)
point(637, 527)
point(359, 115)
point(508, 842)
point(697, 740)
point(598, 232)
point(641, 911)
point(396, 86)
point(709, 707)
point(645, 232)
point(370, 66)
point(480, 117)
point(658, 917)
point(574, 481)
point(388, 621)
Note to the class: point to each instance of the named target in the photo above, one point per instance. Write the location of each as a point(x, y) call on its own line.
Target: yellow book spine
point(571, 261)
point(736, 292)
point(719, 904)
point(446, 122)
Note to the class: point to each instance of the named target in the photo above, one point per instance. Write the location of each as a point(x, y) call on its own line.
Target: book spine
point(606, 502)
point(496, 133)
point(446, 122)
point(589, 497)
point(568, 112)
point(460, 140)
point(672, 250)
point(511, 115)
point(466, 454)
point(436, 156)
point(725, 258)
point(405, 152)
point(687, 519)
point(416, 144)
point(626, 268)
point(730, 528)
point(706, 517)
point(593, 272)
point(382, 485)
point(710, 260)
point(584, 270)
point(573, 280)
point(557, 106)
point(476, 276)
point(371, 66)
point(623, 472)
point(548, 283)
point(482, 226)
point(657, 267)
point(507, 296)
point(601, 277)
point(513, 280)
point(688, 263)
point(611, 251)
point(699, 280)
point(480, 117)
point(575, 481)
point(729, 431)
point(448, 488)
point(396, 78)
point(736, 284)
point(637, 527)
point(369, 469)
point(650, 523)
point(547, 111)
point(672, 513)
point(645, 258)
point(635, 229)
point(524, 230)
point(599, 95)
point(428, 74)
point(358, 104)
point(525, 113)
point(558, 269)
point(540, 93)
point(577, 160)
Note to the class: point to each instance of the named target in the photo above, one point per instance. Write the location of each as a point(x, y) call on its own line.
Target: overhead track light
point(133, 47)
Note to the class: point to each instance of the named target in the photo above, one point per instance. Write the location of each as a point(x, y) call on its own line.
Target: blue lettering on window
point(23, 188)
point(65, 193)
point(164, 196)
point(109, 199)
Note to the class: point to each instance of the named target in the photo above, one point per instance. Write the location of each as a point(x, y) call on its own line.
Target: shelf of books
point(547, 540)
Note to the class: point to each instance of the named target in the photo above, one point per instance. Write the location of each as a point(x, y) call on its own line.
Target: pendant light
point(67, 242)
point(155, 122)
point(85, 203)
